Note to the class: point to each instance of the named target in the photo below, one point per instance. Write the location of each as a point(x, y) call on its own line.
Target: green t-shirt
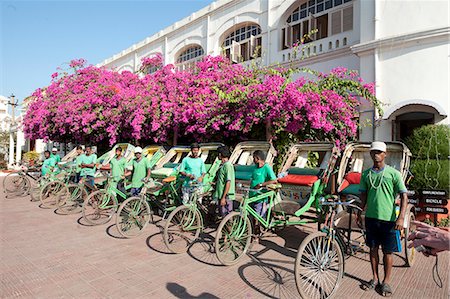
point(381, 188)
point(85, 159)
point(261, 175)
point(78, 163)
point(225, 174)
point(194, 166)
point(56, 157)
point(118, 167)
point(140, 169)
point(47, 165)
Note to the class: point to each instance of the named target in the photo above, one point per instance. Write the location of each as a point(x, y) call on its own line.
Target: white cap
point(138, 149)
point(54, 149)
point(378, 146)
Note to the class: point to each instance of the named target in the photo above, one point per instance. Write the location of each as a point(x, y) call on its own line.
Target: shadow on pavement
point(203, 250)
point(179, 291)
point(155, 242)
point(269, 280)
point(113, 232)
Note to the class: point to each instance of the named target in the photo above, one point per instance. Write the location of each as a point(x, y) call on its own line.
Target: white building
point(5, 118)
point(401, 45)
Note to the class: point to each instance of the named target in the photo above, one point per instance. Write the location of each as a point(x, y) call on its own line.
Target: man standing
point(78, 160)
point(141, 169)
point(379, 187)
point(49, 163)
point(193, 169)
point(118, 165)
point(224, 192)
point(88, 161)
point(262, 175)
point(55, 155)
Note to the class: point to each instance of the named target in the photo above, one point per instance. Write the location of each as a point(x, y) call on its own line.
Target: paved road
point(46, 255)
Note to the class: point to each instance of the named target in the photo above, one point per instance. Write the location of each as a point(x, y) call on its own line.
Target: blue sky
point(37, 37)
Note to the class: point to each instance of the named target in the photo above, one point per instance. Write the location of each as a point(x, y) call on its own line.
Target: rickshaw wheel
point(410, 253)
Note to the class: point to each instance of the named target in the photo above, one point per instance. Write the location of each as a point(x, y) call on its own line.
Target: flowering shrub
point(155, 61)
point(217, 100)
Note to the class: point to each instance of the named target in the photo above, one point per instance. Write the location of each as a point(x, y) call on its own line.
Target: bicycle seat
point(169, 179)
point(274, 187)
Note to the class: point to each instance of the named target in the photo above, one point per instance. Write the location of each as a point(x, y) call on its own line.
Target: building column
point(19, 143)
point(11, 148)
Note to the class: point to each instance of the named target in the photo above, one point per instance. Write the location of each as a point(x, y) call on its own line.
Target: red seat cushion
point(351, 178)
point(301, 180)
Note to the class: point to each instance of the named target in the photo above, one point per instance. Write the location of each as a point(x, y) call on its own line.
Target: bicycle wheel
point(53, 194)
point(182, 228)
point(99, 207)
point(233, 238)
point(410, 253)
point(133, 216)
point(77, 195)
point(319, 266)
point(15, 183)
point(36, 188)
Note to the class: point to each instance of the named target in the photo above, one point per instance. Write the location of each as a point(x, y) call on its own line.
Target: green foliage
point(444, 222)
point(431, 142)
point(31, 156)
point(430, 174)
point(430, 152)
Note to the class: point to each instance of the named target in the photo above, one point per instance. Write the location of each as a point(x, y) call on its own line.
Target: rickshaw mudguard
point(312, 199)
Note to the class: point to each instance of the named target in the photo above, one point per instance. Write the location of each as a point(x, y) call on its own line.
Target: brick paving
point(46, 255)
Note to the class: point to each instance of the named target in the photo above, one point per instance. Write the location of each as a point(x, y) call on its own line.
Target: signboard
point(429, 201)
point(436, 210)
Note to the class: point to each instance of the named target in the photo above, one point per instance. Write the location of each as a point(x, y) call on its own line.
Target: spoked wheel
point(99, 207)
point(53, 194)
point(15, 183)
point(182, 228)
point(133, 216)
point(74, 202)
point(410, 253)
point(36, 188)
point(319, 266)
point(233, 238)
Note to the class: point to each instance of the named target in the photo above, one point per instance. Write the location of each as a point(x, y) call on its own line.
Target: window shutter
point(336, 22)
point(313, 26)
point(288, 36)
point(347, 18)
point(235, 51)
point(253, 46)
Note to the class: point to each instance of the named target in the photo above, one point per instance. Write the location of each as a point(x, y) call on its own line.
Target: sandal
point(385, 290)
point(371, 285)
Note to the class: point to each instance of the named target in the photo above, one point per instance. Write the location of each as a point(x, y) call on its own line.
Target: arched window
point(188, 57)
point(243, 43)
point(316, 19)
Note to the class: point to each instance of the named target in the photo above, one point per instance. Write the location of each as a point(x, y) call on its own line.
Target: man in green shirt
point(118, 165)
point(194, 170)
point(78, 163)
point(49, 163)
point(87, 165)
point(379, 187)
point(141, 169)
point(55, 155)
point(262, 176)
point(224, 192)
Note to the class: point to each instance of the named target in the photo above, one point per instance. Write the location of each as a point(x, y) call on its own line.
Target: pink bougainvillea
point(213, 101)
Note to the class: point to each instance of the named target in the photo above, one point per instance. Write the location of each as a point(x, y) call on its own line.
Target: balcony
point(315, 48)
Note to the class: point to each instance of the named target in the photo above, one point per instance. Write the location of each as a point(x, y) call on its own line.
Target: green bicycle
point(134, 213)
point(100, 206)
point(55, 191)
point(184, 224)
